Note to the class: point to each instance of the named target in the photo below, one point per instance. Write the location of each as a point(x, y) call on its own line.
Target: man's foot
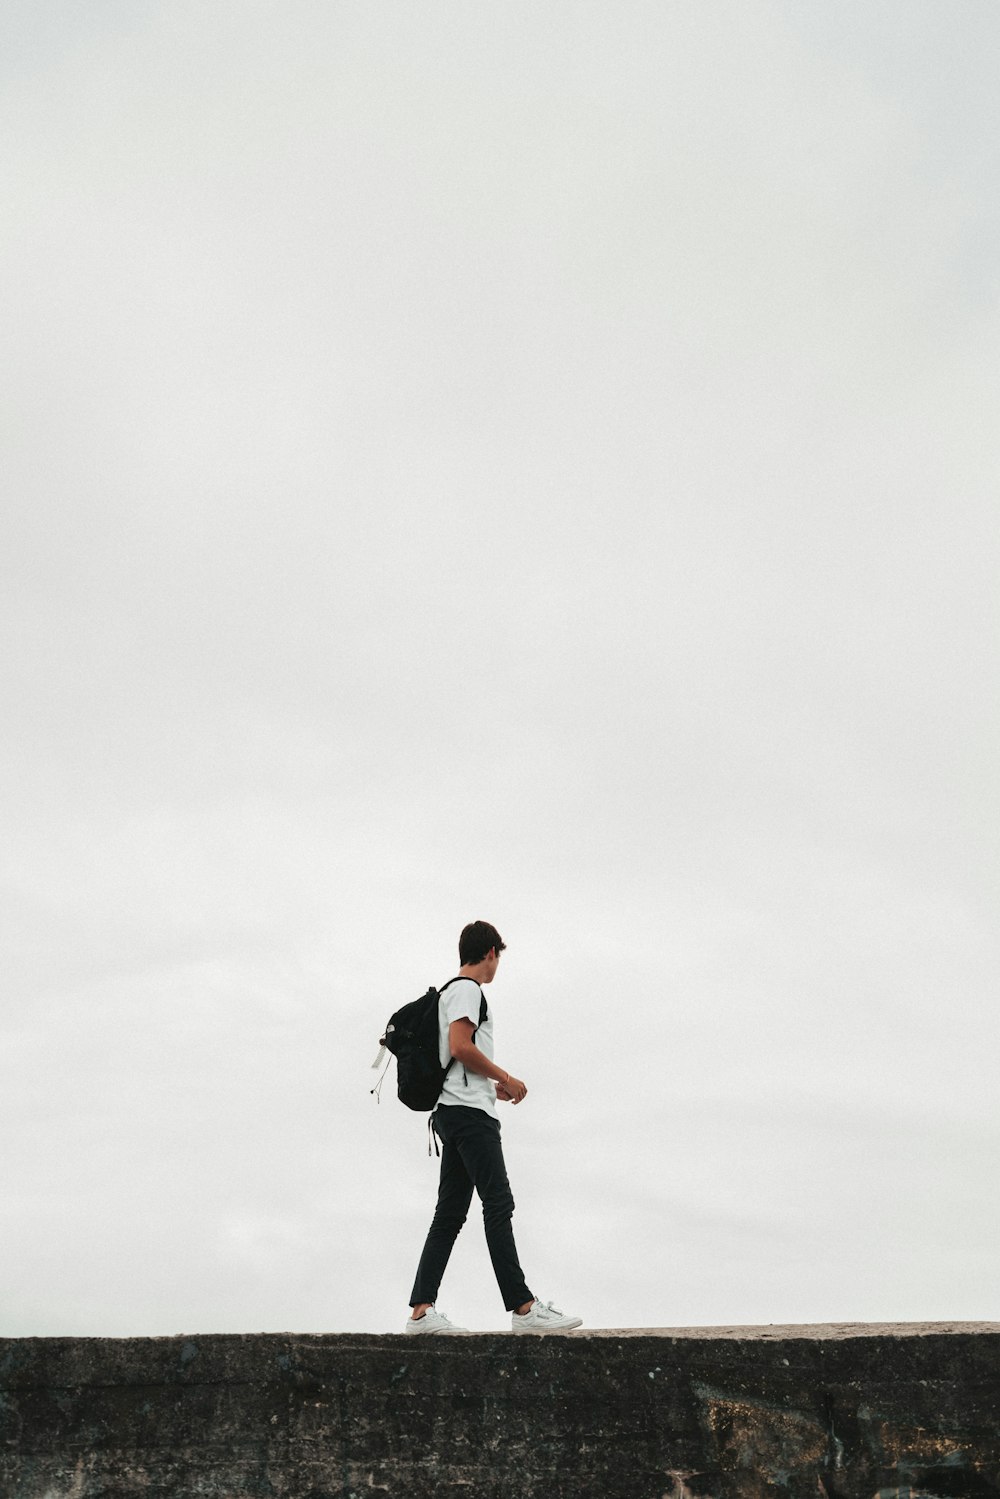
point(431, 1322)
point(543, 1317)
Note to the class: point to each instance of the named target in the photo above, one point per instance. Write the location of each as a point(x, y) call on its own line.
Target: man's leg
point(454, 1197)
point(477, 1138)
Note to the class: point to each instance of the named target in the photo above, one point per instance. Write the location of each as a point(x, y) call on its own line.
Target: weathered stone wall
point(845, 1412)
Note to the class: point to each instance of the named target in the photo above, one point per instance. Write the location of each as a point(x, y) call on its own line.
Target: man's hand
point(512, 1091)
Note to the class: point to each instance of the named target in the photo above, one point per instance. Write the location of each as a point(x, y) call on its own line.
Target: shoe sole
point(439, 1332)
point(541, 1332)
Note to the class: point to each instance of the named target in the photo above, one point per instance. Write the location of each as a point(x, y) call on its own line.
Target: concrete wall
point(835, 1411)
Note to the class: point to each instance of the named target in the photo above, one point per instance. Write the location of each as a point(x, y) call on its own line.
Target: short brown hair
point(478, 939)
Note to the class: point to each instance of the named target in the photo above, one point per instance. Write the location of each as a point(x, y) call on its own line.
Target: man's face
point(492, 959)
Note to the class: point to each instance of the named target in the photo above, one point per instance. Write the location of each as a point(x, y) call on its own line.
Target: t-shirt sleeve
point(461, 1001)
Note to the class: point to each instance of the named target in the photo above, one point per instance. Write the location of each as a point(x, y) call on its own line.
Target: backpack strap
point(483, 1008)
point(483, 1012)
point(450, 1059)
point(482, 1016)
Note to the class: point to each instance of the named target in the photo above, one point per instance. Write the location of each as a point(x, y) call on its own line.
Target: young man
point(471, 1157)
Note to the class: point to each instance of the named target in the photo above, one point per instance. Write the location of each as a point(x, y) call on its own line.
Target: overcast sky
point(532, 462)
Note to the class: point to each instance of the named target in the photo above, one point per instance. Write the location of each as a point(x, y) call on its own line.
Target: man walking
point(472, 1157)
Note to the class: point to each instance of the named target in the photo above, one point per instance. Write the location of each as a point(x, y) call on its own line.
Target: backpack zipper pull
point(377, 1090)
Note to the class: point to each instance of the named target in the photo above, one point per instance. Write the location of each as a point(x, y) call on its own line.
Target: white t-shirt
point(460, 1001)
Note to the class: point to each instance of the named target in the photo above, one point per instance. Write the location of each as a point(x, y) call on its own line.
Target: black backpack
point(412, 1037)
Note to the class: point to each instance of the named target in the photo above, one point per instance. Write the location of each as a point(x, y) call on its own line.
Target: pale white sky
point(524, 462)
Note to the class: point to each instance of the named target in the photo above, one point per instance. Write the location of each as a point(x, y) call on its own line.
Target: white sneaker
point(544, 1317)
point(431, 1322)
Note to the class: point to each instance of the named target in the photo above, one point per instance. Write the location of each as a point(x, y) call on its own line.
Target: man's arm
point(465, 1050)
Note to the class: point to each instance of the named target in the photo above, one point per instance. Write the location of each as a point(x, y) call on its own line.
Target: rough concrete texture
point(846, 1412)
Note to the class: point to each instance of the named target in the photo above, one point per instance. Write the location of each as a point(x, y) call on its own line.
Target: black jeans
point(471, 1156)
